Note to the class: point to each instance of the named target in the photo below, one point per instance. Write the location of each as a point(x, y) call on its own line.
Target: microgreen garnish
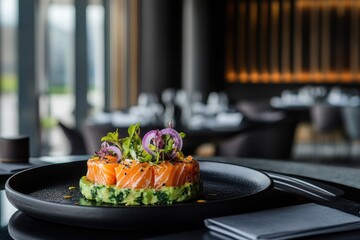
point(163, 145)
point(112, 137)
point(156, 146)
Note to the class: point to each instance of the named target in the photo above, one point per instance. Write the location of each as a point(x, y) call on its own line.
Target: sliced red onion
point(175, 135)
point(147, 140)
point(115, 150)
point(167, 131)
point(104, 145)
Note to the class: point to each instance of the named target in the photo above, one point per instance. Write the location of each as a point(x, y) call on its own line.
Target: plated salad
point(141, 171)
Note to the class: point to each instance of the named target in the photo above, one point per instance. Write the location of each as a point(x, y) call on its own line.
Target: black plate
point(39, 192)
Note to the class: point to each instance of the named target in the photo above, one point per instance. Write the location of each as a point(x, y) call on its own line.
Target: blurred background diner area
point(273, 79)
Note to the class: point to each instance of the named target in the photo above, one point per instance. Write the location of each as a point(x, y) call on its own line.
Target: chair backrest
point(75, 138)
point(325, 117)
point(351, 120)
point(252, 107)
point(93, 134)
point(274, 140)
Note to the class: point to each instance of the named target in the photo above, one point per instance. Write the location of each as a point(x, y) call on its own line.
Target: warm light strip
point(325, 36)
point(286, 39)
point(242, 36)
point(354, 41)
point(331, 3)
point(230, 11)
point(297, 58)
point(252, 36)
point(263, 36)
point(274, 37)
point(255, 77)
point(314, 40)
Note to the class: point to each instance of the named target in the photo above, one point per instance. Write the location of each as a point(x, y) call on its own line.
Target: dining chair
point(327, 123)
point(93, 132)
point(75, 138)
point(253, 108)
point(351, 120)
point(273, 139)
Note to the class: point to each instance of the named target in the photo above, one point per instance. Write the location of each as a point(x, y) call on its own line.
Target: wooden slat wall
point(293, 41)
point(124, 52)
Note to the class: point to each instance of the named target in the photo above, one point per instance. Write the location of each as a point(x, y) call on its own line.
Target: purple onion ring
point(149, 136)
point(115, 150)
point(175, 135)
point(147, 140)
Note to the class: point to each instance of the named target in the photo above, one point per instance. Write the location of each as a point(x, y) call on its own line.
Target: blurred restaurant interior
point(272, 79)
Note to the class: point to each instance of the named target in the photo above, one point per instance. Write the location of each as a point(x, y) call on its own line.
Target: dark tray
point(228, 189)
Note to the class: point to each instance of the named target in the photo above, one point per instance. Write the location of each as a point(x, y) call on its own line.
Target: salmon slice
point(134, 175)
point(102, 171)
point(193, 170)
point(164, 174)
point(175, 173)
point(90, 175)
point(179, 177)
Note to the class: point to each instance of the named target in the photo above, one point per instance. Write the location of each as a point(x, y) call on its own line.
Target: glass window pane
point(58, 101)
point(8, 68)
point(95, 31)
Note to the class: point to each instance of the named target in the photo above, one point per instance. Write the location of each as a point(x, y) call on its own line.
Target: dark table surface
point(16, 225)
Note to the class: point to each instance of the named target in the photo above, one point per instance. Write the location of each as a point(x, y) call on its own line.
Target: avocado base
point(149, 196)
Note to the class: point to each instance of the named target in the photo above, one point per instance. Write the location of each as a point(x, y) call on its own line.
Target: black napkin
point(284, 223)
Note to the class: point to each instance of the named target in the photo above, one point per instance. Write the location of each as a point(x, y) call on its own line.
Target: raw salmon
point(172, 174)
point(133, 174)
point(102, 171)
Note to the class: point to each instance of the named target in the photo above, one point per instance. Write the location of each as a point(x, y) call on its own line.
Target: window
point(57, 101)
point(42, 53)
point(8, 68)
point(96, 75)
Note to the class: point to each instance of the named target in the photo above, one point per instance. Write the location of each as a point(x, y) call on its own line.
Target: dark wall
point(216, 17)
point(203, 46)
point(160, 45)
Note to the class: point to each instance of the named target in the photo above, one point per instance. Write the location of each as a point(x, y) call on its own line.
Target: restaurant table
point(17, 225)
point(300, 111)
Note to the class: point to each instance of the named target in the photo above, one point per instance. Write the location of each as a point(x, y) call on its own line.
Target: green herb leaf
point(112, 137)
point(133, 129)
point(131, 146)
